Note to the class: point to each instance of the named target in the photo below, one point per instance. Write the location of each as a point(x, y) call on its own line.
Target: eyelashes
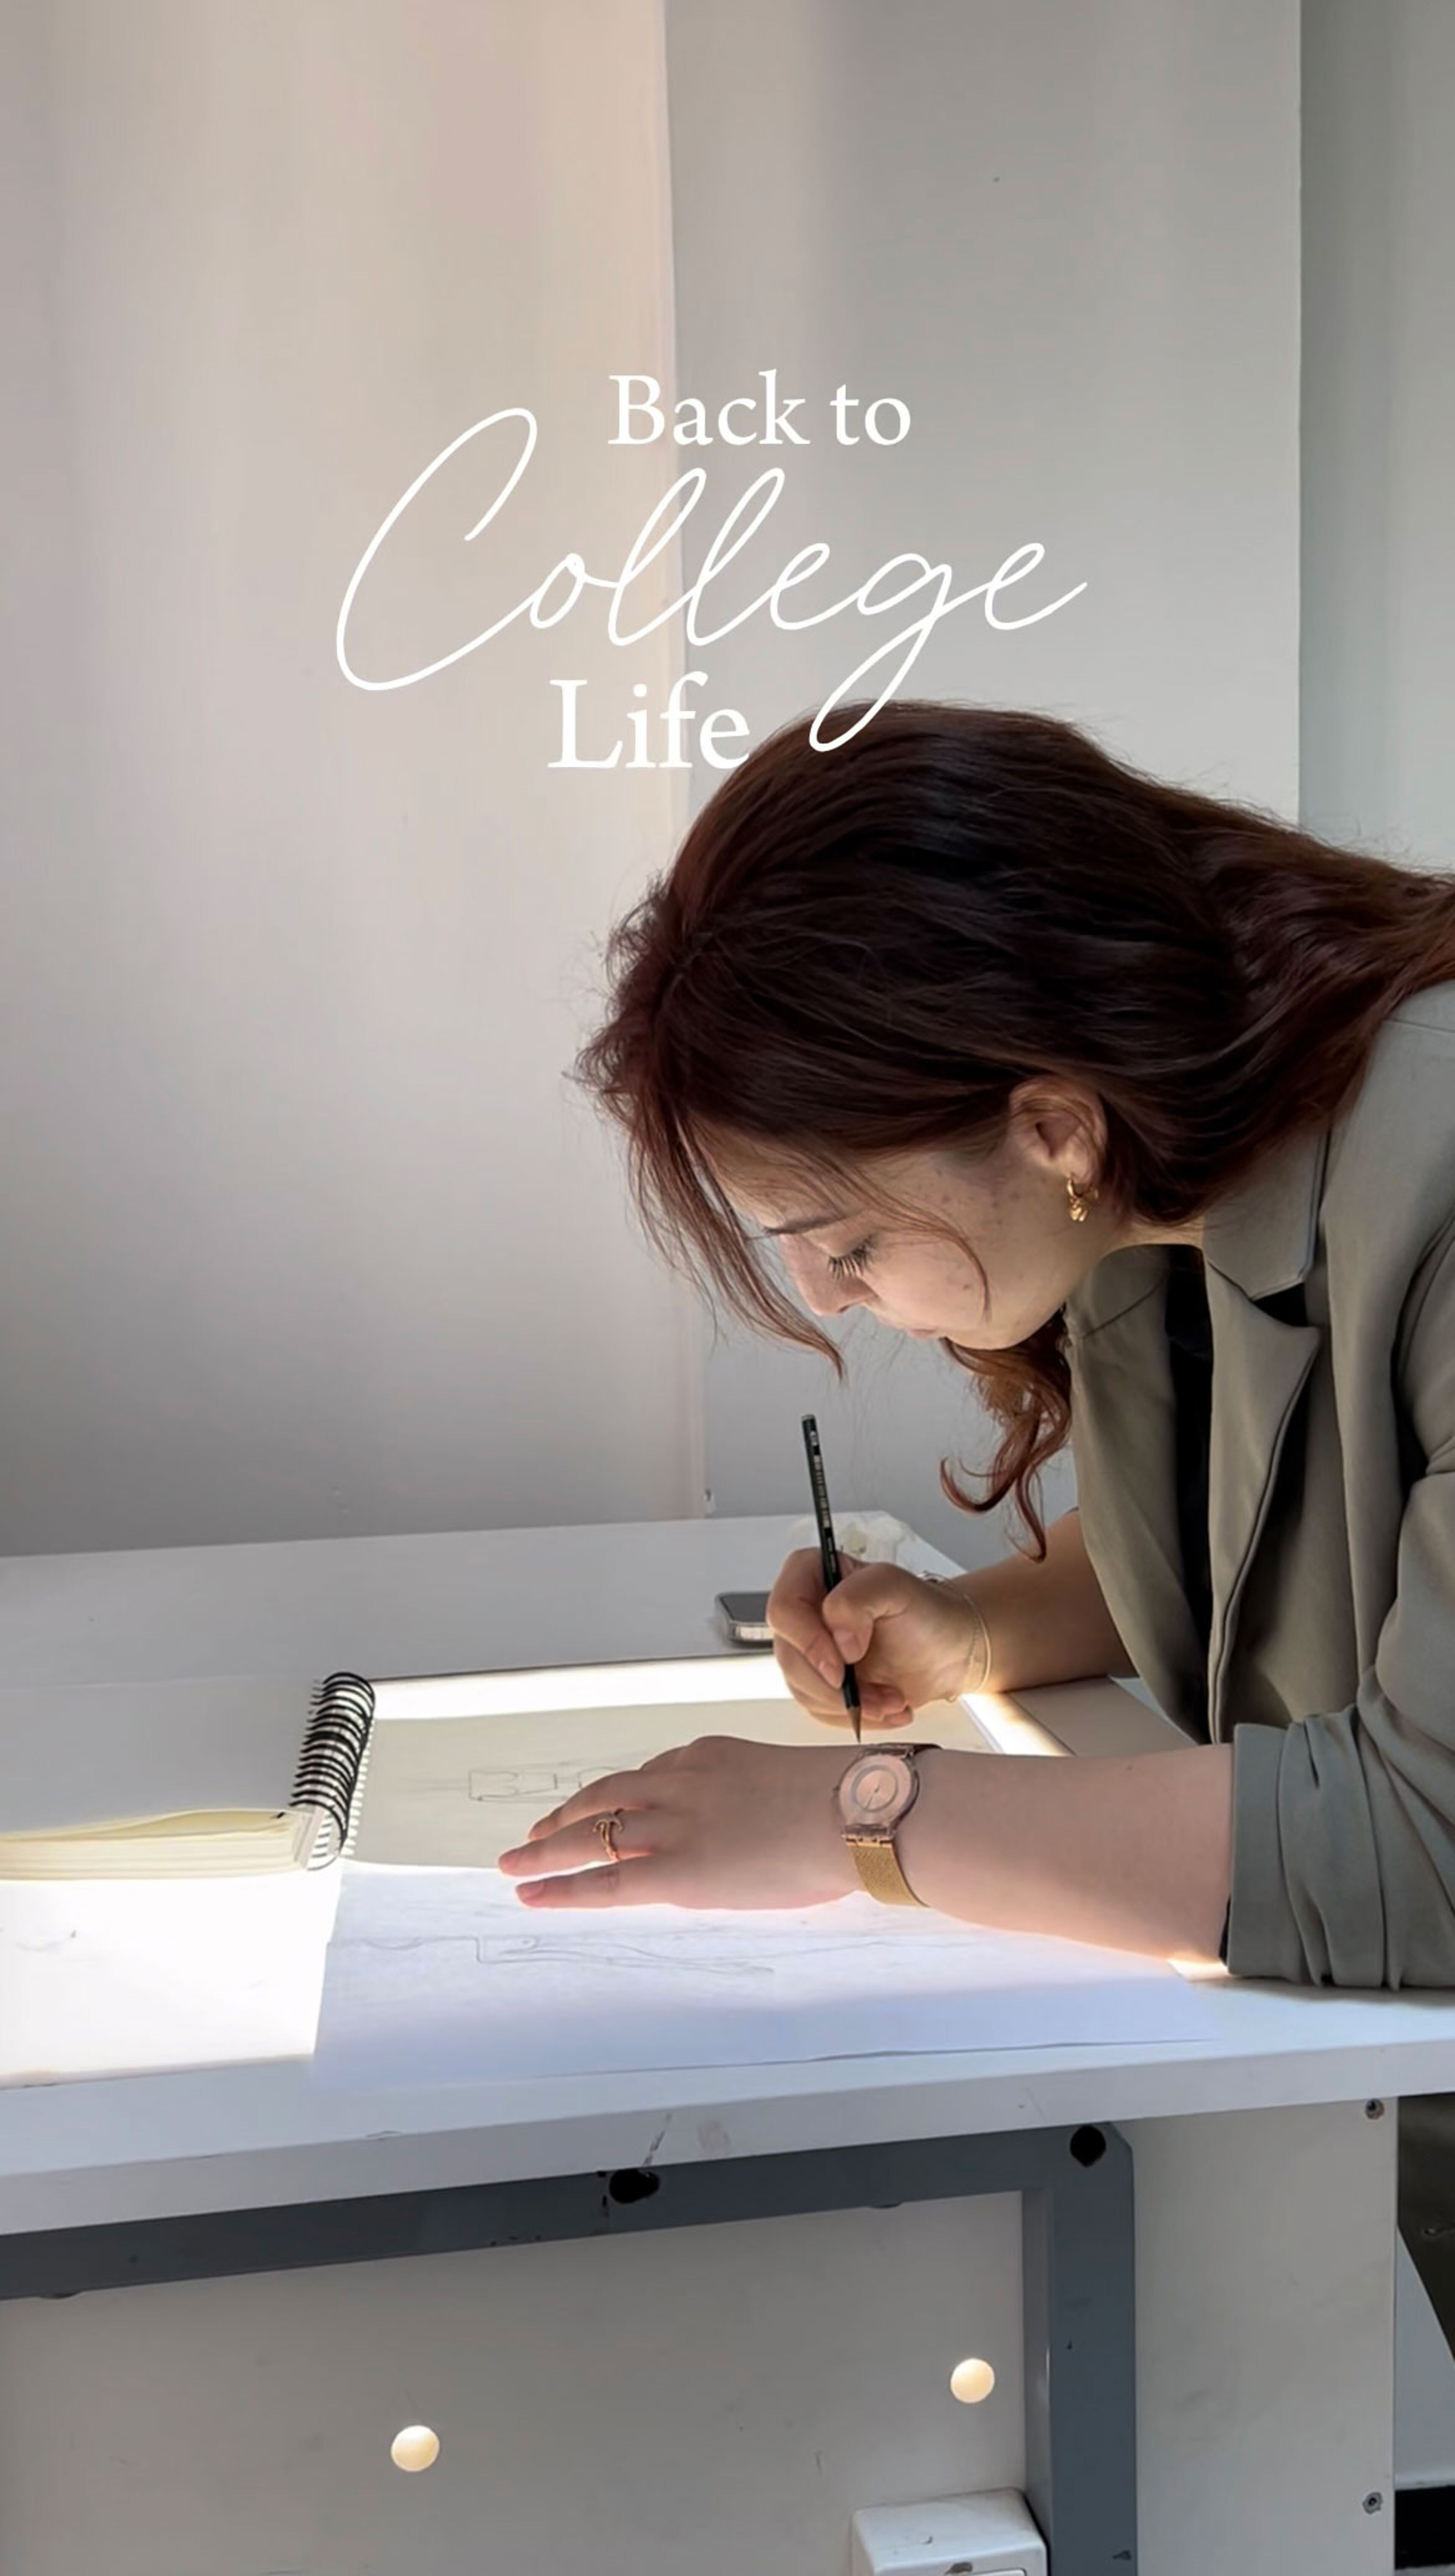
point(848, 1265)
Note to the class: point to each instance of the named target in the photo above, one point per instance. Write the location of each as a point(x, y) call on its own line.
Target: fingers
point(814, 1636)
point(633, 1882)
point(820, 1698)
point(622, 1789)
point(578, 1846)
point(829, 1629)
point(796, 1618)
point(880, 1703)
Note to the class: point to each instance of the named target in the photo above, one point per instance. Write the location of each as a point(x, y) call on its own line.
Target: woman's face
point(1011, 1205)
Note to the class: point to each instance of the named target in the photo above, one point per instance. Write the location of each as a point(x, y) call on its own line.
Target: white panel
point(1379, 392)
point(1265, 2364)
point(703, 2402)
point(954, 2536)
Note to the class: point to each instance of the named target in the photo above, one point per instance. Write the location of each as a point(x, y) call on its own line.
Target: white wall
point(304, 1234)
point(1068, 238)
point(1378, 754)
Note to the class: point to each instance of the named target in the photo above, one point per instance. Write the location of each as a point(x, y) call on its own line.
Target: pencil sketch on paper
point(547, 1783)
point(433, 1975)
point(496, 1951)
point(447, 1927)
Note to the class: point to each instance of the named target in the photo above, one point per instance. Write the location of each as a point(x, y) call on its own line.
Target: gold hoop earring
point(1080, 1201)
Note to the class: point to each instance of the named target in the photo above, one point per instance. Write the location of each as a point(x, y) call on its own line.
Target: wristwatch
point(874, 1796)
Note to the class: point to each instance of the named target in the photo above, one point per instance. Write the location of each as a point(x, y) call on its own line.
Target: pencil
point(832, 1570)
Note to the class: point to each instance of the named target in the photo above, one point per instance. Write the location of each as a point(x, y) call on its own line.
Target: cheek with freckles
point(1020, 1289)
point(932, 1290)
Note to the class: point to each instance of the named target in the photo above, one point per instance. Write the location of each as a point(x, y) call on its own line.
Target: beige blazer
point(1331, 1664)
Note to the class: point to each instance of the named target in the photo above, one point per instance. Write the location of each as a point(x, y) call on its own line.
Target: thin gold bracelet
point(982, 1640)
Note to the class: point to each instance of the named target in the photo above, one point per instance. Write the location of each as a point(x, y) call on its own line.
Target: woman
point(1143, 1105)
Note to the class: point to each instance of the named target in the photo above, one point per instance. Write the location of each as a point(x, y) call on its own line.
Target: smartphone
point(745, 1617)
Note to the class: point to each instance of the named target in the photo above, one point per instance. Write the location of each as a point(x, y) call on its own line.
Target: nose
point(821, 1292)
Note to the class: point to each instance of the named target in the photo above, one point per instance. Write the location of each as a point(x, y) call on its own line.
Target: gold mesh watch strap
point(877, 1863)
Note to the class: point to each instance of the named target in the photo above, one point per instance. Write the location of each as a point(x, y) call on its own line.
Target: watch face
point(877, 1790)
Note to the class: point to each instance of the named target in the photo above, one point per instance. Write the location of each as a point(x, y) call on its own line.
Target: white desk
point(1264, 2207)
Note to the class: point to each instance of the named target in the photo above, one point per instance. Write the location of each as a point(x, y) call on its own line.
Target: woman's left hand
point(721, 1823)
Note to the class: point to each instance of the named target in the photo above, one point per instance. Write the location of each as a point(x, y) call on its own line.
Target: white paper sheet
point(131, 1977)
point(443, 1976)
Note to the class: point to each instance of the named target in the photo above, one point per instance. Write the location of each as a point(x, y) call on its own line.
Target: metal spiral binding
point(331, 1764)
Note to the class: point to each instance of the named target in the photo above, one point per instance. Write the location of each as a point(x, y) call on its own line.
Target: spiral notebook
point(212, 1777)
point(221, 1777)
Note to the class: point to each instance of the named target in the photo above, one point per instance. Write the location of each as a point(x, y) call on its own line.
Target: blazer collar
point(1261, 1238)
point(1262, 1235)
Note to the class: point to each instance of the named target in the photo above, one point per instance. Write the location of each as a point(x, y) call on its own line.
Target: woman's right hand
point(909, 1640)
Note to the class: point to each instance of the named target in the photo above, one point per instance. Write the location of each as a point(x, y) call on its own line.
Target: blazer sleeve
point(1343, 1865)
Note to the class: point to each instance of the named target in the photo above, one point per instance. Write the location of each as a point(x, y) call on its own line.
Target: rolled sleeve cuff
point(1263, 1937)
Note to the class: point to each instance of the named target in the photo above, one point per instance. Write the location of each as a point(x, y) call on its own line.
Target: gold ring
point(608, 1828)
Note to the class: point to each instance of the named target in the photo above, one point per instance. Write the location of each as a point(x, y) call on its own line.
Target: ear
point(1060, 1128)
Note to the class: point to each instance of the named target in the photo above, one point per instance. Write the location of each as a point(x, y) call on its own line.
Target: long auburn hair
point(863, 950)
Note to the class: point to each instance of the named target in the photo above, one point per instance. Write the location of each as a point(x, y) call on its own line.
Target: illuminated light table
point(1178, 2258)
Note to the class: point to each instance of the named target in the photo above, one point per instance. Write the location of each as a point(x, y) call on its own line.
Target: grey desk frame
point(1078, 2269)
